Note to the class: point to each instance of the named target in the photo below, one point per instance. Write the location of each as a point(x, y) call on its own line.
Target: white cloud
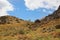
point(5, 6)
point(48, 4)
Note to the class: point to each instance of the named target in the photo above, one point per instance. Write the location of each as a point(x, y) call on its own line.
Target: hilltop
point(47, 28)
point(9, 20)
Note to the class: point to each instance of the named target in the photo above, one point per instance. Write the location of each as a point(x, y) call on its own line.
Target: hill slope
point(48, 28)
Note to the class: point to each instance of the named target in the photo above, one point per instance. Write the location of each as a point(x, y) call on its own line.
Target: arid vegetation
point(48, 28)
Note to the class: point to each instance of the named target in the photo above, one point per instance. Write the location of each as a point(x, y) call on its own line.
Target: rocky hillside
point(9, 20)
point(48, 28)
point(55, 15)
point(50, 25)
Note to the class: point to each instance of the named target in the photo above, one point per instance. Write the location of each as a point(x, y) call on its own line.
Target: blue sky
point(24, 10)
